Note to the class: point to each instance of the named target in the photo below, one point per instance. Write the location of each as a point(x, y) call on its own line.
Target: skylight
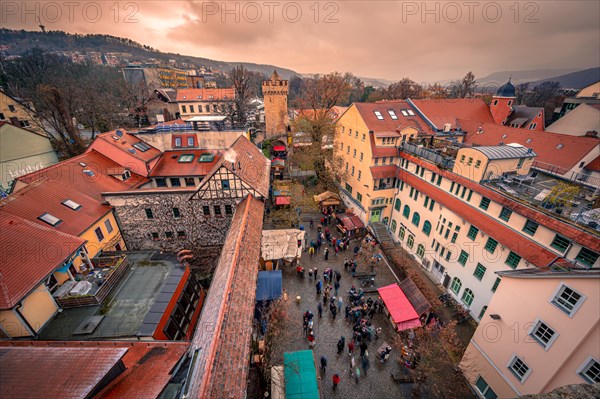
point(186, 158)
point(71, 204)
point(51, 220)
point(206, 158)
point(143, 147)
point(410, 112)
point(504, 136)
point(378, 115)
point(528, 141)
point(558, 147)
point(404, 112)
point(392, 114)
point(89, 172)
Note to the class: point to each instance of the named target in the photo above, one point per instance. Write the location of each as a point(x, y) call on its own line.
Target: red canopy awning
point(402, 311)
point(356, 221)
point(279, 148)
point(282, 200)
point(347, 223)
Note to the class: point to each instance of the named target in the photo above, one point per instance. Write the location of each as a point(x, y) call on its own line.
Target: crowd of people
point(358, 311)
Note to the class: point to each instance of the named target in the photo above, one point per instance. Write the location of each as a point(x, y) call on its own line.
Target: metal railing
point(426, 153)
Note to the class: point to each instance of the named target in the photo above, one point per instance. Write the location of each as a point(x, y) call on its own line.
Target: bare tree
point(463, 88)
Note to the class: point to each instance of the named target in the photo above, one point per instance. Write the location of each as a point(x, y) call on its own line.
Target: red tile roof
point(70, 173)
point(149, 367)
point(380, 172)
point(196, 95)
point(387, 124)
point(123, 152)
point(224, 329)
point(29, 252)
point(384, 151)
point(543, 143)
point(169, 165)
point(565, 229)
point(246, 161)
point(594, 165)
point(67, 373)
point(148, 364)
point(440, 112)
point(45, 196)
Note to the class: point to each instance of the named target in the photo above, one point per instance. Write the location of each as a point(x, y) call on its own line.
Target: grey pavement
point(378, 382)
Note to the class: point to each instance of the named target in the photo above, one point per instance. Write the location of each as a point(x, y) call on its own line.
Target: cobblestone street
point(378, 382)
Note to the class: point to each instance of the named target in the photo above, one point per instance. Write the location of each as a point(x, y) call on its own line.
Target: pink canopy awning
point(279, 148)
point(402, 311)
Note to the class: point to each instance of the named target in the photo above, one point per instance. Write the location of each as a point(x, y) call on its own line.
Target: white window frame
point(555, 295)
point(486, 390)
point(585, 366)
point(533, 329)
point(511, 363)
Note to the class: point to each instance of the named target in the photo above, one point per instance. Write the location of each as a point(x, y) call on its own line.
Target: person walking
point(338, 275)
point(351, 347)
point(311, 224)
point(341, 345)
point(318, 286)
point(340, 303)
point(357, 375)
point(365, 364)
point(336, 286)
point(320, 310)
point(311, 339)
point(326, 253)
point(310, 273)
point(363, 348)
point(311, 251)
point(323, 365)
point(336, 381)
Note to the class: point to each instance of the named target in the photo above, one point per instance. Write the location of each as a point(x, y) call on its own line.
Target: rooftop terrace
point(123, 312)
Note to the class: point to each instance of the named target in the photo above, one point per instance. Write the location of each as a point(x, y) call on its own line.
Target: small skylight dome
point(558, 147)
point(528, 140)
point(82, 164)
point(504, 136)
point(514, 145)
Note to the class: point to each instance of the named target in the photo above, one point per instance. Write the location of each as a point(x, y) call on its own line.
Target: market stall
point(350, 225)
point(279, 247)
point(268, 289)
point(327, 200)
point(300, 375)
point(398, 308)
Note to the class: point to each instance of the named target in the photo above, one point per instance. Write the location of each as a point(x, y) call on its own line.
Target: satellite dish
point(119, 133)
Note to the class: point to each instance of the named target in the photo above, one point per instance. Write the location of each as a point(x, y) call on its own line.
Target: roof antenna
point(239, 165)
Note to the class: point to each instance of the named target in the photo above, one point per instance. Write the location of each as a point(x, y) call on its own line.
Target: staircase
point(382, 235)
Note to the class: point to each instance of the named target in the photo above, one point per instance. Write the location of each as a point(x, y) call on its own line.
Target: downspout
point(24, 321)
point(397, 188)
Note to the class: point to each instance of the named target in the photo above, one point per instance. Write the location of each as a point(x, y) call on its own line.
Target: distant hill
point(568, 78)
point(575, 80)
point(19, 41)
point(499, 78)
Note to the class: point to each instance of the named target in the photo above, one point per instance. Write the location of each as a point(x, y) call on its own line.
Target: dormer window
point(509, 103)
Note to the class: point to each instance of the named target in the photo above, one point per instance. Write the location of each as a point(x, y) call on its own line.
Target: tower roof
point(506, 90)
point(275, 76)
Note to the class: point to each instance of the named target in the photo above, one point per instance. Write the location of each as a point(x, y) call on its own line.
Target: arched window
point(456, 284)
point(427, 227)
point(467, 297)
point(401, 233)
point(483, 309)
point(416, 219)
point(397, 204)
point(406, 211)
point(411, 241)
point(393, 226)
point(420, 251)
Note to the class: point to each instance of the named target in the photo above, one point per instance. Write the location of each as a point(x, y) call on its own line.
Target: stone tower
point(275, 94)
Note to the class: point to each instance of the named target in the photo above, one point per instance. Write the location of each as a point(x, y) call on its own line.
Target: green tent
point(300, 375)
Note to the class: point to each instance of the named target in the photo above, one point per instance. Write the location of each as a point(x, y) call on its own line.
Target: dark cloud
point(386, 39)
